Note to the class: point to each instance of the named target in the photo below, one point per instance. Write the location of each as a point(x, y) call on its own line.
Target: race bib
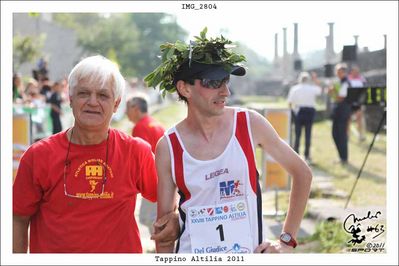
point(220, 228)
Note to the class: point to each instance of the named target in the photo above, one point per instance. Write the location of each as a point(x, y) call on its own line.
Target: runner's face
point(93, 104)
point(210, 101)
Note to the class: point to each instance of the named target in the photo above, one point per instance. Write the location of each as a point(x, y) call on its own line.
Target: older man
point(76, 190)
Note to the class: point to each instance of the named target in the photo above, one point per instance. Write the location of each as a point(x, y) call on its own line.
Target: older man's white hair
point(97, 69)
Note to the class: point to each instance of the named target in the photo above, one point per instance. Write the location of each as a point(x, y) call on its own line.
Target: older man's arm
point(20, 226)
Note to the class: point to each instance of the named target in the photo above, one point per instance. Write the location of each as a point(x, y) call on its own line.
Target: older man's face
point(93, 104)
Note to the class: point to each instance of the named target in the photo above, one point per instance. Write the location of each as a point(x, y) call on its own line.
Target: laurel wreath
point(202, 50)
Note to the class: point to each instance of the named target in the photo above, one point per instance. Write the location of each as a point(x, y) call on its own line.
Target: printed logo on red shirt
point(94, 171)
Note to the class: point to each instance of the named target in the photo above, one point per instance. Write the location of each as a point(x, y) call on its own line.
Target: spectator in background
point(42, 68)
point(41, 71)
point(64, 85)
point(357, 81)
point(17, 88)
point(341, 112)
point(151, 131)
point(45, 89)
point(145, 126)
point(33, 96)
point(37, 102)
point(55, 101)
point(302, 102)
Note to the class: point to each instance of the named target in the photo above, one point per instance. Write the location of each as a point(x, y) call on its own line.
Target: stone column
point(331, 34)
point(326, 51)
point(296, 53)
point(285, 54)
point(330, 54)
point(356, 39)
point(275, 47)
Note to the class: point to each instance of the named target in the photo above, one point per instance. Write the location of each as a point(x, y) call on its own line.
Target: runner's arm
point(167, 222)
point(265, 136)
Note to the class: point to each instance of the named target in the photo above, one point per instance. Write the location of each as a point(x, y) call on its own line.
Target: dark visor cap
point(206, 71)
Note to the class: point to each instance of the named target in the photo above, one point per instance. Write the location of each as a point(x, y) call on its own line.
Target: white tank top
point(220, 199)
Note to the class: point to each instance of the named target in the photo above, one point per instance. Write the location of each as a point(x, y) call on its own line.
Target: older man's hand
point(166, 230)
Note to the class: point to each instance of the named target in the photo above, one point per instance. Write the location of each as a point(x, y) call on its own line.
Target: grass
point(171, 114)
point(264, 101)
point(371, 186)
point(329, 236)
point(370, 189)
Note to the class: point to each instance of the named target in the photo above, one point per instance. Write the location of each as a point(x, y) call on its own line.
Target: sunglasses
point(214, 83)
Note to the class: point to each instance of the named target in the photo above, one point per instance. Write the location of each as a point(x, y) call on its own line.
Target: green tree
point(133, 39)
point(154, 29)
point(26, 49)
point(112, 35)
point(116, 35)
point(77, 21)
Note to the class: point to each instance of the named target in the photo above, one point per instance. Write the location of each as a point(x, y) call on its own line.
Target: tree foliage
point(154, 29)
point(203, 50)
point(26, 49)
point(132, 39)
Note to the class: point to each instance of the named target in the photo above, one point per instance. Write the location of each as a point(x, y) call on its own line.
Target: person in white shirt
point(302, 101)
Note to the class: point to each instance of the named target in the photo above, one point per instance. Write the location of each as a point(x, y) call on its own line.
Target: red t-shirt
point(149, 130)
point(60, 223)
